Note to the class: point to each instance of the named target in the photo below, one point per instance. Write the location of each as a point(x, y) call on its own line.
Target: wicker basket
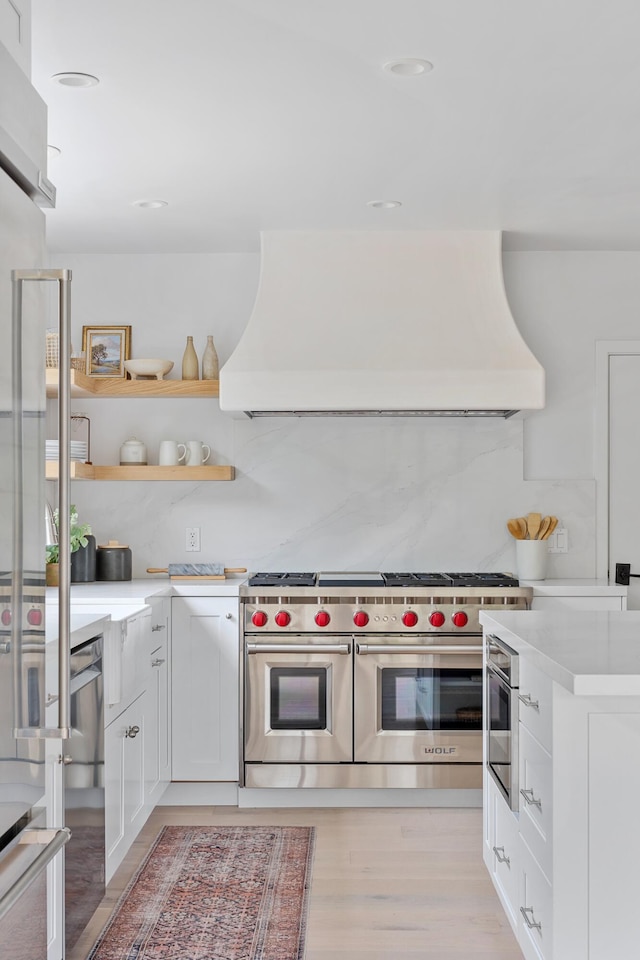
point(78, 363)
point(53, 349)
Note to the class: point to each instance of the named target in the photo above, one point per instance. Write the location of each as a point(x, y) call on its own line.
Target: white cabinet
point(205, 688)
point(575, 841)
point(585, 594)
point(158, 739)
point(577, 603)
point(125, 810)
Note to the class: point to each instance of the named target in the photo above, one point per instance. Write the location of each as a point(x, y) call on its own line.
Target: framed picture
point(106, 349)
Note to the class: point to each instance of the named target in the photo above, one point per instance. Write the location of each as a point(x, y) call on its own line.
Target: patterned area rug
point(215, 893)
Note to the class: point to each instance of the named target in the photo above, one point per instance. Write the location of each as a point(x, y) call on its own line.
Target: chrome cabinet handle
point(531, 800)
point(65, 759)
point(531, 923)
point(501, 856)
point(157, 663)
point(132, 732)
point(158, 626)
point(528, 702)
point(228, 616)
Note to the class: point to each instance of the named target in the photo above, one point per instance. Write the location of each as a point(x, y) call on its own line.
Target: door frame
point(605, 349)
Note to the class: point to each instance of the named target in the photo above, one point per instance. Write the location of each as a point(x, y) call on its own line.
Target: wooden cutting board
point(197, 571)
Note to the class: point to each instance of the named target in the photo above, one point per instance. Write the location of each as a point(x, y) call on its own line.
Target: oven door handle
point(365, 648)
point(321, 649)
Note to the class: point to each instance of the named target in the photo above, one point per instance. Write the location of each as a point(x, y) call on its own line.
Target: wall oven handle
point(365, 648)
point(344, 648)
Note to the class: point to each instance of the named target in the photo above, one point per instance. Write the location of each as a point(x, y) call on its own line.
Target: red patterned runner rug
point(215, 893)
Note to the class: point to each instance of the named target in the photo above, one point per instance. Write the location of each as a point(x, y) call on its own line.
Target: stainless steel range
point(366, 679)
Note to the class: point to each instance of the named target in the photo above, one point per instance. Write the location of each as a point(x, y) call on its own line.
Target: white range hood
point(397, 323)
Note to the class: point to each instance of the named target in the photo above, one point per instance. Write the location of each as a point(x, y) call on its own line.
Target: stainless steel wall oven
point(502, 677)
point(366, 680)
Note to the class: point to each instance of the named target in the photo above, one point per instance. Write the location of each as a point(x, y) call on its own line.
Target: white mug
point(169, 454)
point(196, 452)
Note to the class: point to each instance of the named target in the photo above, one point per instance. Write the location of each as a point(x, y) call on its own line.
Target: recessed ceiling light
point(408, 67)
point(53, 151)
point(76, 79)
point(150, 204)
point(384, 204)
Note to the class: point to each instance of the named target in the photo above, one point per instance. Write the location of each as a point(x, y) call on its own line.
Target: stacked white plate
point(78, 450)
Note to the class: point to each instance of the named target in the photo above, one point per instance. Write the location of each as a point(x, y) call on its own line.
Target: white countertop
point(592, 653)
point(141, 591)
point(83, 626)
point(582, 587)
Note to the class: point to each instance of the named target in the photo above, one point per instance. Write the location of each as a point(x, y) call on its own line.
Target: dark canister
point(113, 561)
point(83, 562)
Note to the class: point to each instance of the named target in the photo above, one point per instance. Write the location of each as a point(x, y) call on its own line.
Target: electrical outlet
point(193, 539)
point(559, 541)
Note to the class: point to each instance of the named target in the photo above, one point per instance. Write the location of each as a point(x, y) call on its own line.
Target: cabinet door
point(125, 810)
point(204, 679)
point(157, 740)
point(577, 603)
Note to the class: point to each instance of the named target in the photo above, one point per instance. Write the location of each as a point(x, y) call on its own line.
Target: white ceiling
point(275, 114)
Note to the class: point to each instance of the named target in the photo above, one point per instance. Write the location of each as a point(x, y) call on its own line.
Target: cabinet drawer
point(536, 805)
point(534, 702)
point(535, 916)
point(505, 847)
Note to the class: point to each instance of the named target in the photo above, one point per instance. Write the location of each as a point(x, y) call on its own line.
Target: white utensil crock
point(531, 559)
point(171, 453)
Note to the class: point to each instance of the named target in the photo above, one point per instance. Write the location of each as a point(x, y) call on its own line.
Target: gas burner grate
point(449, 580)
point(282, 579)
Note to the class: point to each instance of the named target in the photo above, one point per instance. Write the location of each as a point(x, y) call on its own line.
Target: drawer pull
point(501, 856)
point(531, 800)
point(530, 922)
point(132, 732)
point(157, 663)
point(528, 702)
point(158, 626)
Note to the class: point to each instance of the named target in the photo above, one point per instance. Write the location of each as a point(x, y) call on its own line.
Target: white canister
point(197, 453)
point(171, 453)
point(531, 559)
point(133, 451)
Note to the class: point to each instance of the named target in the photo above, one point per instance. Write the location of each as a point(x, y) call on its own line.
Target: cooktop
point(374, 579)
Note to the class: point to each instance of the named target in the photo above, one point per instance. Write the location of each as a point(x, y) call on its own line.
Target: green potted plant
point(83, 551)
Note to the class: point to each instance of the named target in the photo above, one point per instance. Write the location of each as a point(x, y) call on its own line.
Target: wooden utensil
point(544, 526)
point(551, 528)
point(515, 529)
point(533, 525)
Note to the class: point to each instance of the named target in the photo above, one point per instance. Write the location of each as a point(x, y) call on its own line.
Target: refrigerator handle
point(53, 841)
point(63, 279)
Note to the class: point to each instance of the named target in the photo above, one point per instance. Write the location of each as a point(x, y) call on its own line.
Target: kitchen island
point(565, 862)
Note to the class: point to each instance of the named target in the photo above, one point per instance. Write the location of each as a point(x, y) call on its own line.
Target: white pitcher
point(196, 454)
point(171, 453)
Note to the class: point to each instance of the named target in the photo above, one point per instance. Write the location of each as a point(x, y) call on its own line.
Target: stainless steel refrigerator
point(26, 845)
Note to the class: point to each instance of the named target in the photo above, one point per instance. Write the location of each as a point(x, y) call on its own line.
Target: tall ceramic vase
point(190, 362)
point(210, 369)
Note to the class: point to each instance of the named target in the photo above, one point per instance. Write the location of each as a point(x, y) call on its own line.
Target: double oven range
point(366, 679)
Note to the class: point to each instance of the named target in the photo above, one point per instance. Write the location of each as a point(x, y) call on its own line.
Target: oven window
point(431, 699)
point(298, 698)
point(499, 730)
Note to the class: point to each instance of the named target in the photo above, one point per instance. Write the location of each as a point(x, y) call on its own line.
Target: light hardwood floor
point(388, 884)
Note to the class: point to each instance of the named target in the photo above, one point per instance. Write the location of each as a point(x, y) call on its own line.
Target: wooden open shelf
point(84, 386)
point(88, 471)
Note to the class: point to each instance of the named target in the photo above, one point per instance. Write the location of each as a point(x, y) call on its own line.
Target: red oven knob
point(259, 618)
point(460, 619)
point(322, 618)
point(436, 619)
point(409, 618)
point(283, 619)
point(5, 616)
point(34, 617)
point(361, 619)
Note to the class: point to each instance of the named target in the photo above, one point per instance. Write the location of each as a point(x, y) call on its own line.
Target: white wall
point(334, 493)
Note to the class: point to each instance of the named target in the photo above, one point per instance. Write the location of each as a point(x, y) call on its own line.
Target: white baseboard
point(188, 794)
point(283, 797)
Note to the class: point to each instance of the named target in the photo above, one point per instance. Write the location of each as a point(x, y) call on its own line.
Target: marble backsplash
point(332, 493)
